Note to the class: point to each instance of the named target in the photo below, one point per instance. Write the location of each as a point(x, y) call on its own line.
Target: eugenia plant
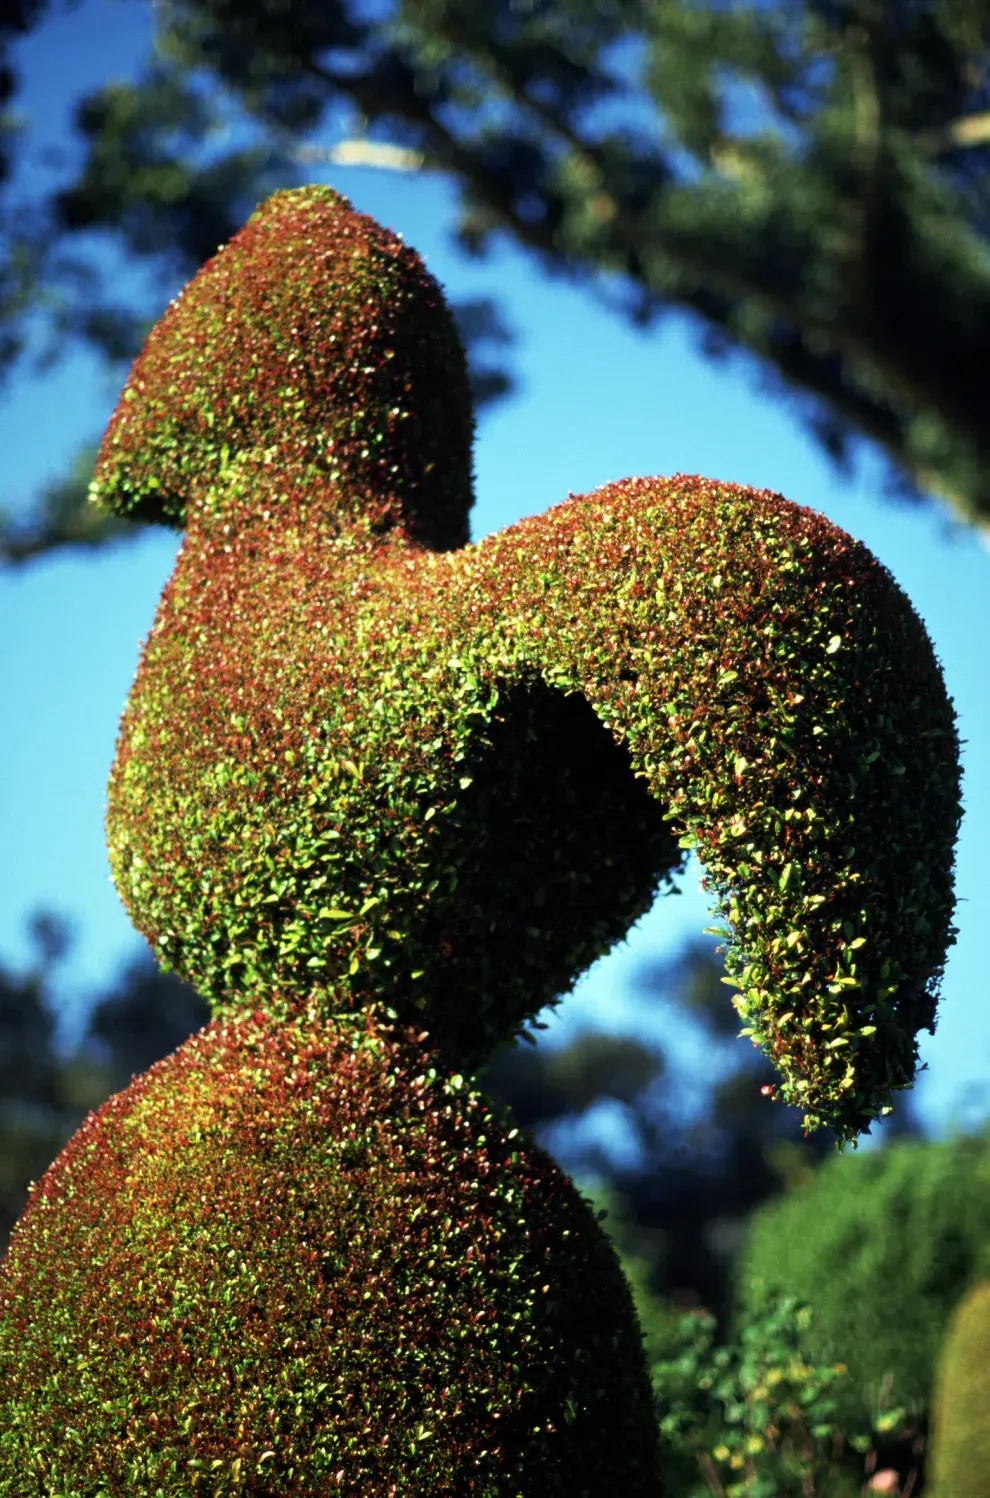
point(381, 796)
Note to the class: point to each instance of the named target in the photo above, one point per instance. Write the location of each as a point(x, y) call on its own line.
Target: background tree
point(45, 1093)
point(807, 177)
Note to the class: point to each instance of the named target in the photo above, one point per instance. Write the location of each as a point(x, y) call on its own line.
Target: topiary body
point(333, 721)
point(880, 1247)
point(960, 1455)
point(368, 769)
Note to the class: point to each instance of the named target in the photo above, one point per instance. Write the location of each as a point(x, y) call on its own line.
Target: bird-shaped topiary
point(382, 796)
point(959, 1466)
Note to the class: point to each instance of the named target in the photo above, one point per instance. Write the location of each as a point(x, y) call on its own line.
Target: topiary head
point(317, 344)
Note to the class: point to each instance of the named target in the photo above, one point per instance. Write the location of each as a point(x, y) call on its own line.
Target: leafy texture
point(960, 1457)
point(807, 180)
point(881, 1247)
point(753, 1420)
point(369, 770)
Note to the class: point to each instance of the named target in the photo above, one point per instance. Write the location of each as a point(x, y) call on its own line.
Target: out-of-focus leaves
point(45, 1093)
point(64, 517)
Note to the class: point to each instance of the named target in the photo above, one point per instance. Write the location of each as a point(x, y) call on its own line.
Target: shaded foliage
point(881, 1246)
point(675, 1216)
point(687, 1196)
point(692, 1182)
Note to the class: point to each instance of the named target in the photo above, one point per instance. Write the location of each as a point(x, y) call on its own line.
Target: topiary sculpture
point(960, 1457)
point(382, 796)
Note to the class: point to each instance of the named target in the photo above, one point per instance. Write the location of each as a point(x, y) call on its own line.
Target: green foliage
point(751, 1419)
point(45, 1091)
point(41, 1097)
point(960, 1458)
point(317, 344)
point(63, 513)
point(881, 1247)
point(754, 1420)
point(335, 812)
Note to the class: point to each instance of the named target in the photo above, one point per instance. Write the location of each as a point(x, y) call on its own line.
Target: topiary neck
point(315, 345)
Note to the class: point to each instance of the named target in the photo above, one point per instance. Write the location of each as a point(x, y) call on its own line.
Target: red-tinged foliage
point(350, 760)
point(298, 1258)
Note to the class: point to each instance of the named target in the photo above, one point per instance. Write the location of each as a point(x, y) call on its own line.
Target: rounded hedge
point(315, 340)
point(880, 1247)
point(960, 1452)
point(300, 1258)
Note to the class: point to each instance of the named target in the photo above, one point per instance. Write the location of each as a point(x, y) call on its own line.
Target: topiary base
point(301, 1259)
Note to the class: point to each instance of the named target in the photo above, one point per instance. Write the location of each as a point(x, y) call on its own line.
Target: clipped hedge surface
point(299, 1258)
point(316, 338)
point(881, 1247)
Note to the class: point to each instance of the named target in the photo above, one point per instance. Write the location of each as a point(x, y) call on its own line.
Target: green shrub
point(296, 1257)
point(356, 747)
point(881, 1247)
point(752, 1420)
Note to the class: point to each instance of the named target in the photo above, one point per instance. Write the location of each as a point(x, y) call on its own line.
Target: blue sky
point(596, 401)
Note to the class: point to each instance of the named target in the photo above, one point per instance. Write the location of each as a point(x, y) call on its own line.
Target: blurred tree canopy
point(808, 177)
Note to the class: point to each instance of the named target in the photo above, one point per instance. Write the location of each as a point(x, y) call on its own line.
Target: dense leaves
point(367, 716)
point(961, 1446)
point(48, 1088)
point(359, 757)
point(667, 1214)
